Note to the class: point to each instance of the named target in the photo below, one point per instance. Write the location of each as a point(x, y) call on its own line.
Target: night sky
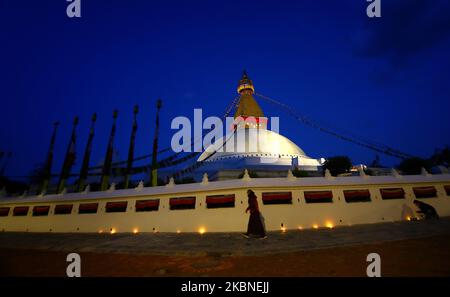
point(385, 79)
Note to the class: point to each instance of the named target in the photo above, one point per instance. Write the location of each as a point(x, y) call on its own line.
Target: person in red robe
point(255, 225)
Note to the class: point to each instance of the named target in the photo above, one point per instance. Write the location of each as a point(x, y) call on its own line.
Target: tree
point(413, 165)
point(441, 157)
point(338, 165)
point(12, 186)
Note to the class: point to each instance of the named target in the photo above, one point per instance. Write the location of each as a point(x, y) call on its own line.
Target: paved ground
point(406, 249)
point(232, 244)
point(429, 256)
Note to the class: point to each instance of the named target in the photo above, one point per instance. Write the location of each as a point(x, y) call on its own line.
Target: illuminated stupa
point(250, 145)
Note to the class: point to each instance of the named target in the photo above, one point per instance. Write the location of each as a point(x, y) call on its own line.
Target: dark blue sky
point(385, 79)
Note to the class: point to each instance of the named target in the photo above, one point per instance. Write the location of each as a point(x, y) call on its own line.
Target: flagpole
point(131, 149)
point(154, 172)
point(49, 161)
point(106, 171)
point(69, 159)
point(87, 155)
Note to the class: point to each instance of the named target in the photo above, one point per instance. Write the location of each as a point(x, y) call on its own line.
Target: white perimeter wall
point(299, 214)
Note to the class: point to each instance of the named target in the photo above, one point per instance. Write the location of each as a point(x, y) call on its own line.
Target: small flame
point(202, 230)
point(135, 230)
point(113, 231)
point(178, 231)
point(283, 229)
point(315, 226)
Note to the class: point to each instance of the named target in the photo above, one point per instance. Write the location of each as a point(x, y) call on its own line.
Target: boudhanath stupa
point(253, 146)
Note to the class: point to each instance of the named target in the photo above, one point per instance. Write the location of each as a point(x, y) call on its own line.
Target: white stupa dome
point(252, 143)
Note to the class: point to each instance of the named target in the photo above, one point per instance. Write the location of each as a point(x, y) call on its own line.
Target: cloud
point(406, 28)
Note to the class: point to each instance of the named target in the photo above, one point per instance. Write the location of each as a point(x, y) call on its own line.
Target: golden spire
point(245, 85)
point(248, 107)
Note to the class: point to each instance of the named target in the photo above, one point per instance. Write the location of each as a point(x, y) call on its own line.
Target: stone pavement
point(224, 244)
